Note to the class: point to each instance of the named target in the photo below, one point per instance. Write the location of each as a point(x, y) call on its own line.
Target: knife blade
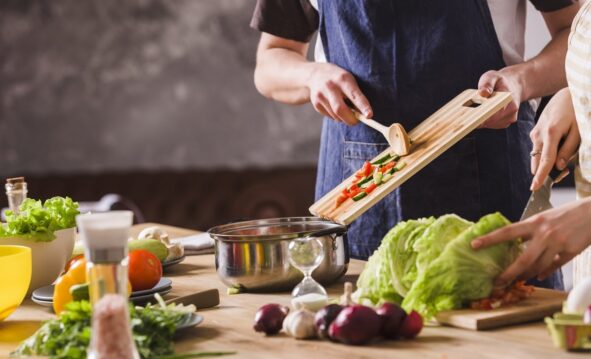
point(539, 200)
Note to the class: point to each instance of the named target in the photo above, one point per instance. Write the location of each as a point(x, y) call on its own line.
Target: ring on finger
point(535, 153)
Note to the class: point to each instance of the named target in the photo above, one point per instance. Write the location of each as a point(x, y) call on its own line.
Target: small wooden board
point(430, 139)
point(542, 303)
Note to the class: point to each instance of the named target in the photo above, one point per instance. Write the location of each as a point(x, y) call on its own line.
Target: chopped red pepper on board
point(370, 188)
point(388, 166)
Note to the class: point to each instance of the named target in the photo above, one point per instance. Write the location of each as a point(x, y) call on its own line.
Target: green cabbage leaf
point(429, 266)
point(391, 268)
point(460, 274)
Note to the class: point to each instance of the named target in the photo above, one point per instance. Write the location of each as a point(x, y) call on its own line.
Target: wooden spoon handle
point(371, 123)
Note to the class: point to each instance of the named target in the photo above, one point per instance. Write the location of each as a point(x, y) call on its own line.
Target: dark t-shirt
point(298, 20)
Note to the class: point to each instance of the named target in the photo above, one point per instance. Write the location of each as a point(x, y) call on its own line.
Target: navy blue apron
point(410, 58)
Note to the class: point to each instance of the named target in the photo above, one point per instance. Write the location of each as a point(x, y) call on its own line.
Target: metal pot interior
point(275, 229)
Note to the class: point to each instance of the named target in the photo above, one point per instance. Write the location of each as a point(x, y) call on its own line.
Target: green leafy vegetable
point(392, 266)
point(68, 336)
point(64, 337)
point(429, 265)
point(460, 274)
point(403, 265)
point(430, 245)
point(38, 221)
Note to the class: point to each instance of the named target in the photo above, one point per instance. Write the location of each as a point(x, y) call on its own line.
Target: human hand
point(506, 79)
point(553, 238)
point(329, 86)
point(557, 122)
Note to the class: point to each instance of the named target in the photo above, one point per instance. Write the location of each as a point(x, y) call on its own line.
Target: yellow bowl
point(15, 271)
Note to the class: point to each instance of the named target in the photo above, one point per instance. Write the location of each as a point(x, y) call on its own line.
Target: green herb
point(38, 221)
point(68, 336)
point(233, 290)
point(65, 337)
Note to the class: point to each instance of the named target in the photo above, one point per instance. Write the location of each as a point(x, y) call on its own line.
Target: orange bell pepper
point(76, 274)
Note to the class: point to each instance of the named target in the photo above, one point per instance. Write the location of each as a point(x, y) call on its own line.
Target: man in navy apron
point(399, 61)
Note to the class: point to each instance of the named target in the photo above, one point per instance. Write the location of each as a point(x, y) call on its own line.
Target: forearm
point(544, 74)
point(282, 75)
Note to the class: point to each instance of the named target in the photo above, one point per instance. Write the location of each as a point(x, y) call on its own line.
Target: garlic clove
point(300, 324)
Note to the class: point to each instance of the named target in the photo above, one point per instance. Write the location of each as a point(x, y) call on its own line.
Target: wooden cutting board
point(429, 139)
point(542, 303)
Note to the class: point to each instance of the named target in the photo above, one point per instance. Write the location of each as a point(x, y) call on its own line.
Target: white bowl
point(49, 258)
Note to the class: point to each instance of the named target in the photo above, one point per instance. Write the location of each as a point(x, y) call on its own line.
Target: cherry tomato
point(145, 270)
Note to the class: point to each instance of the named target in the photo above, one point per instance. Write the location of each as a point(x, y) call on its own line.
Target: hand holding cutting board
point(431, 138)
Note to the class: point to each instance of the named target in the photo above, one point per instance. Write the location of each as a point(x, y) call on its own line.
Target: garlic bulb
point(300, 324)
point(346, 299)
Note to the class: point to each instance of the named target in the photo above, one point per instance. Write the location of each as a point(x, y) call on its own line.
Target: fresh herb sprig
point(68, 336)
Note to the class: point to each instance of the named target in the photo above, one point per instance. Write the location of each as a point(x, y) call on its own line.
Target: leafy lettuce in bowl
point(38, 221)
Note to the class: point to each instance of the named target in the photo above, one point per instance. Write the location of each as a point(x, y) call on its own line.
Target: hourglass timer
point(306, 254)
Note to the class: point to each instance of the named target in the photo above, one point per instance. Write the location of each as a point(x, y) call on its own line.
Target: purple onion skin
point(392, 317)
point(412, 325)
point(269, 318)
point(324, 317)
point(355, 325)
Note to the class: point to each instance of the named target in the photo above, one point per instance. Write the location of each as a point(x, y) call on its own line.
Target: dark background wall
point(154, 100)
point(95, 85)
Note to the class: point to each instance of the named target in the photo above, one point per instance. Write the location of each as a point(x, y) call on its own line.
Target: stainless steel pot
point(252, 255)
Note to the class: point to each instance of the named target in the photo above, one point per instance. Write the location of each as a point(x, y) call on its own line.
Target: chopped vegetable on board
point(369, 177)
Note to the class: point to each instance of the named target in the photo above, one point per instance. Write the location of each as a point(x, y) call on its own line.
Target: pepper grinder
point(105, 237)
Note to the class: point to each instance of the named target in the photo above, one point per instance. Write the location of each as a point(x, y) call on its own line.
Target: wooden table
point(229, 327)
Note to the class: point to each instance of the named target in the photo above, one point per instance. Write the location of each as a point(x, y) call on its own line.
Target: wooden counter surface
point(229, 327)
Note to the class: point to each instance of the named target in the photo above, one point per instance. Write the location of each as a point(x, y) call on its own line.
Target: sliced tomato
point(354, 187)
point(365, 170)
point(341, 199)
point(388, 166)
point(345, 192)
point(370, 188)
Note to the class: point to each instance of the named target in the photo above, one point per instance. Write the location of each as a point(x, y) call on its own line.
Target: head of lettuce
point(445, 272)
point(38, 220)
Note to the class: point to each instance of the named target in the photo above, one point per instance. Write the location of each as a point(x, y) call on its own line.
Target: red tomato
point(341, 199)
point(370, 188)
point(145, 270)
point(367, 168)
point(387, 166)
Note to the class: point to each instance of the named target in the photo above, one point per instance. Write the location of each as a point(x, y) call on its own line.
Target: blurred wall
point(103, 85)
point(99, 85)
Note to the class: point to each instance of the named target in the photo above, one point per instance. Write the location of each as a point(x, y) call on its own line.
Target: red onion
point(269, 318)
point(392, 318)
point(325, 317)
point(412, 325)
point(355, 325)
